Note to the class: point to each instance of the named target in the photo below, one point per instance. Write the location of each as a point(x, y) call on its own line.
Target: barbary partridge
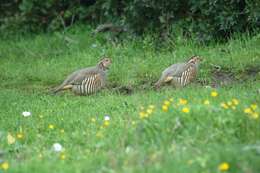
point(88, 80)
point(180, 74)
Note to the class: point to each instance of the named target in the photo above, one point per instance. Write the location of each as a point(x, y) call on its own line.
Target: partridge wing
point(179, 69)
point(81, 77)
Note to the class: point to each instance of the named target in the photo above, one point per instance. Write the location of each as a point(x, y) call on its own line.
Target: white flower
point(128, 149)
point(57, 147)
point(107, 118)
point(94, 45)
point(26, 114)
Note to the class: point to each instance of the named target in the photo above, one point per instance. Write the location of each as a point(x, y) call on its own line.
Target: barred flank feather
point(186, 77)
point(89, 85)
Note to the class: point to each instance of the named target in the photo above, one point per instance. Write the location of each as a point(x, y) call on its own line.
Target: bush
point(206, 19)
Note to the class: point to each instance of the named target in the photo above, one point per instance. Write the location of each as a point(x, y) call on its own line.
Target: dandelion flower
point(106, 123)
point(235, 101)
point(253, 106)
point(206, 102)
point(255, 115)
point(165, 108)
point(214, 94)
point(149, 111)
point(223, 167)
point(62, 156)
point(5, 165)
point(20, 135)
point(166, 102)
point(151, 106)
point(183, 101)
point(185, 110)
point(143, 115)
point(248, 111)
point(57, 147)
point(26, 114)
point(229, 103)
point(93, 120)
point(51, 126)
point(10, 139)
point(40, 156)
point(224, 105)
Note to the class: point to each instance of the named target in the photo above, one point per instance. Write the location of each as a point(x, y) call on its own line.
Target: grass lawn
point(198, 130)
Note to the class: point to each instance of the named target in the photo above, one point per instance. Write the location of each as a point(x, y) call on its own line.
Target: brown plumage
point(88, 80)
point(180, 74)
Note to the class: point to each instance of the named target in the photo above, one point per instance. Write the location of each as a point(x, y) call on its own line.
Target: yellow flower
point(166, 103)
point(206, 102)
point(106, 123)
point(143, 115)
point(248, 111)
point(20, 135)
point(51, 126)
point(5, 165)
point(253, 106)
point(255, 115)
point(151, 106)
point(62, 156)
point(165, 108)
point(214, 94)
point(149, 111)
point(229, 103)
point(183, 101)
point(93, 120)
point(224, 105)
point(235, 101)
point(10, 139)
point(40, 156)
point(223, 166)
point(185, 110)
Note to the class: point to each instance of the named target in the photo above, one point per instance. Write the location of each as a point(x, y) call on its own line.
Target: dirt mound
point(224, 76)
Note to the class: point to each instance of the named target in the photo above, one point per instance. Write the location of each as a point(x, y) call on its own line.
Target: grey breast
point(90, 84)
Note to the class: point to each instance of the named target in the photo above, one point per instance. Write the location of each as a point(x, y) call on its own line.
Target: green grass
point(171, 141)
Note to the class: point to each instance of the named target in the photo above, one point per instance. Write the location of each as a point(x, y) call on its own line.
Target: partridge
point(88, 80)
point(180, 74)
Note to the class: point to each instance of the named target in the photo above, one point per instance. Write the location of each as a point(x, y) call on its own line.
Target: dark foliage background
point(206, 19)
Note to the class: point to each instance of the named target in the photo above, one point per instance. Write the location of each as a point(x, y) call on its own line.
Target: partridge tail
point(158, 84)
point(162, 80)
point(60, 88)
